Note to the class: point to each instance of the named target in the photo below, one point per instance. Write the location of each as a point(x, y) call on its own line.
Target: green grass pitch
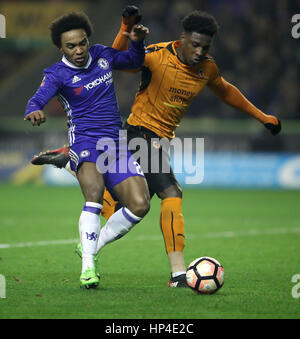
point(255, 234)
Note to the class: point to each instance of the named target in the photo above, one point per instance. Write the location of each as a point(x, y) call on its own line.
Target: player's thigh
point(164, 185)
point(91, 182)
point(133, 193)
point(163, 182)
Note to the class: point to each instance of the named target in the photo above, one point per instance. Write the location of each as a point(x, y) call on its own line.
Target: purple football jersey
point(87, 93)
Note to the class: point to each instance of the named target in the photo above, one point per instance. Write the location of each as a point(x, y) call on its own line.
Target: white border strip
point(40, 243)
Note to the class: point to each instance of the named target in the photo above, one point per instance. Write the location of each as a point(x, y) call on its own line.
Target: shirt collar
point(68, 63)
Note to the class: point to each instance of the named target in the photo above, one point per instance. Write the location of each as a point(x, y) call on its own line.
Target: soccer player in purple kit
point(83, 83)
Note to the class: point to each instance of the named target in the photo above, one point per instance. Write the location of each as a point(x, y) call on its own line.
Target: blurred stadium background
point(254, 50)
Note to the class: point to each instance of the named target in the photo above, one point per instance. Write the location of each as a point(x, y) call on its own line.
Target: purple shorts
point(112, 158)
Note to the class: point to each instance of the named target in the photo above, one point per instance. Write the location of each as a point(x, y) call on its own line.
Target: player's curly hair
point(200, 22)
point(67, 22)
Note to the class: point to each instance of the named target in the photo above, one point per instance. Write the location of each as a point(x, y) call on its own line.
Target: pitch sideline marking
point(229, 234)
point(40, 243)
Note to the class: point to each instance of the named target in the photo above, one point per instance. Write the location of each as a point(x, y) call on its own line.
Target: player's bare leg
point(134, 196)
point(91, 182)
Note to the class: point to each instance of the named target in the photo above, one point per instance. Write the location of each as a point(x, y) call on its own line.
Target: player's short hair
point(200, 22)
point(67, 22)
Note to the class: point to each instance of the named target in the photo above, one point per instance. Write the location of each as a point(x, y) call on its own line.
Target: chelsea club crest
point(84, 154)
point(103, 63)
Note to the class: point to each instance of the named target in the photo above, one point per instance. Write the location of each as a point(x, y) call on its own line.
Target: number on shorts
point(138, 168)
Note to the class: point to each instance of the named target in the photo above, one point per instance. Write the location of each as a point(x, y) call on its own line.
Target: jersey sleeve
point(152, 58)
point(121, 41)
point(48, 89)
point(131, 59)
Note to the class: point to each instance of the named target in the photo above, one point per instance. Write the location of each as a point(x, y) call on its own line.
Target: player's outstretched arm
point(131, 16)
point(36, 118)
point(47, 90)
point(132, 59)
point(231, 95)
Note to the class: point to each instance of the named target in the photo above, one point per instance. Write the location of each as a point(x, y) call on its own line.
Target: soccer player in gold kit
point(174, 73)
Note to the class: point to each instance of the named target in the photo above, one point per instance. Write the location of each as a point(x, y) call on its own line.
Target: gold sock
point(172, 224)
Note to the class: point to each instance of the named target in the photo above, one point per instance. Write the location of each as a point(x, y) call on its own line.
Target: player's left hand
point(137, 33)
point(274, 126)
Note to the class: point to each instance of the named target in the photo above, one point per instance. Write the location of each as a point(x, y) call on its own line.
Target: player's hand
point(131, 15)
point(36, 118)
point(274, 125)
point(137, 33)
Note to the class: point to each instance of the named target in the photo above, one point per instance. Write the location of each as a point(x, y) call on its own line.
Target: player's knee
point(173, 191)
point(93, 192)
point(179, 191)
point(139, 206)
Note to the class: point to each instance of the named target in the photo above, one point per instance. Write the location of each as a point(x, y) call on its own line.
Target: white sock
point(89, 229)
point(117, 226)
point(176, 274)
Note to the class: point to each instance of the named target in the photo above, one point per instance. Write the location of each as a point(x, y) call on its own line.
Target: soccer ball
point(205, 275)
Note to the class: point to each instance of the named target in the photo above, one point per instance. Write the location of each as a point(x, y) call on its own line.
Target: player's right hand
point(36, 118)
point(131, 15)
